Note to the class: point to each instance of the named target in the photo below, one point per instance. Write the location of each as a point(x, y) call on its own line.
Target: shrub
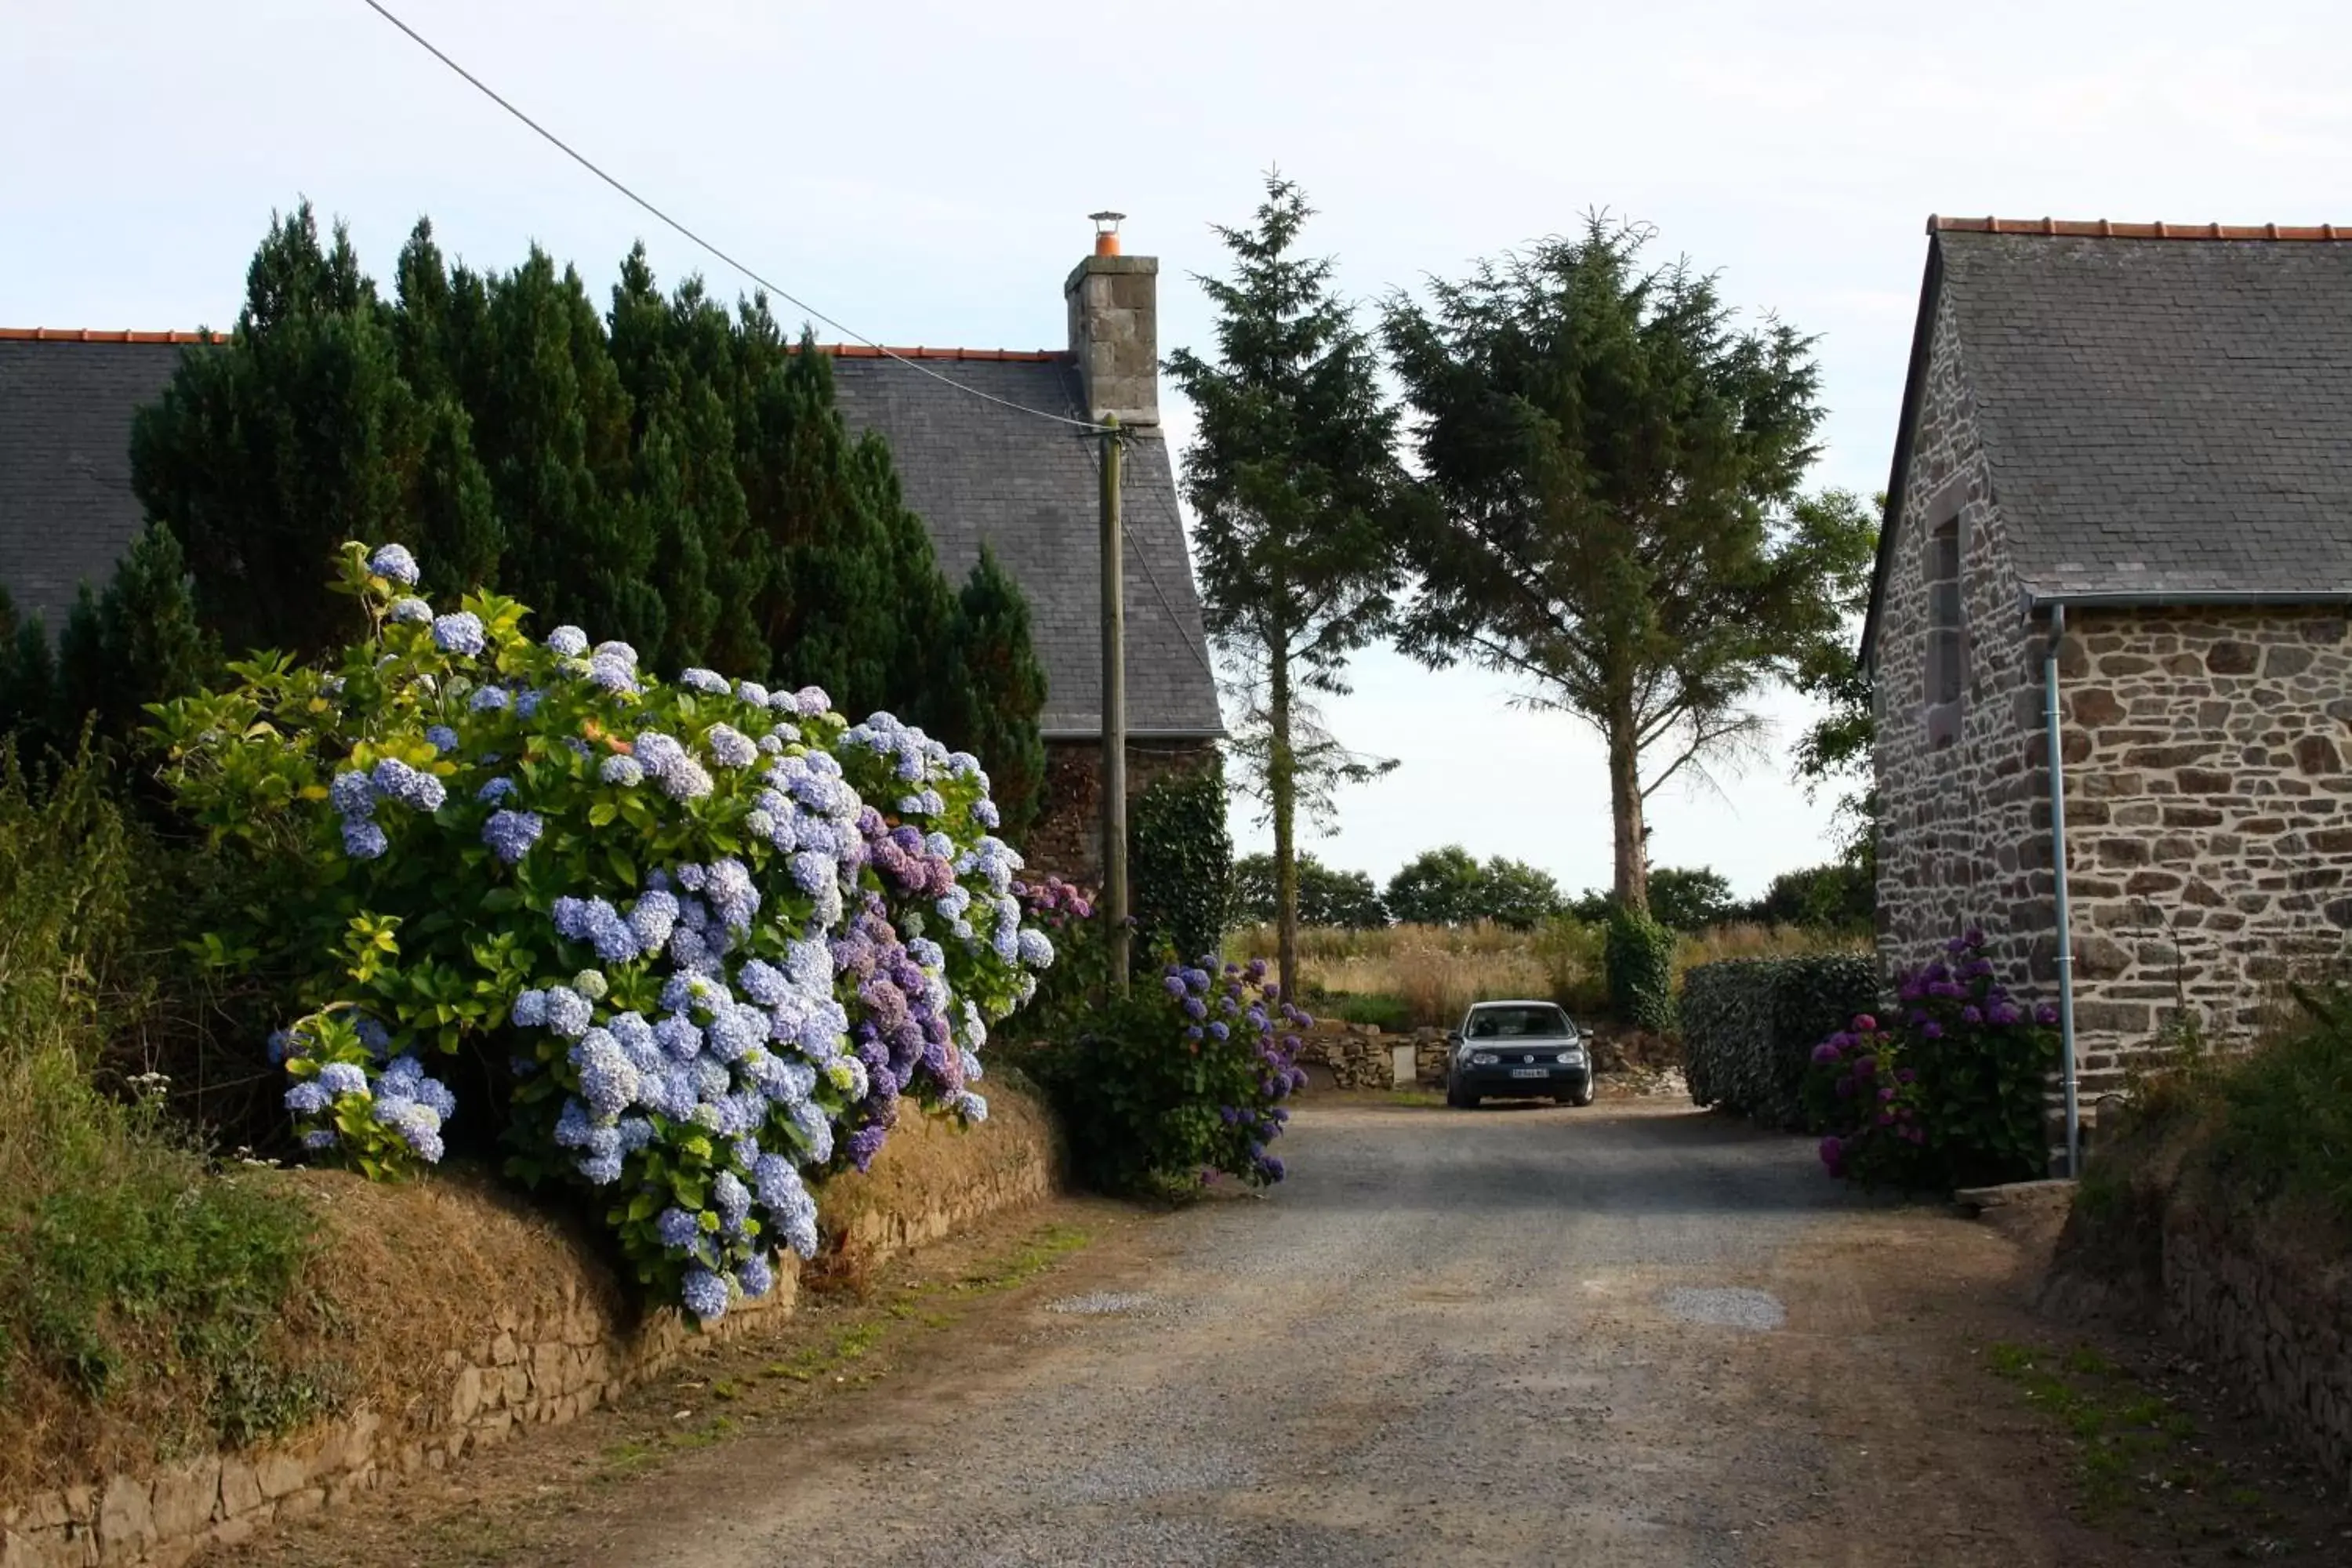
point(676, 935)
point(134, 1276)
point(1184, 1076)
point(1750, 1027)
point(2286, 1126)
point(1180, 855)
point(1961, 1078)
point(1640, 964)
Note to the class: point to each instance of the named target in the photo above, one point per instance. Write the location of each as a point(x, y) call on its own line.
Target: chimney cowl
point(1107, 231)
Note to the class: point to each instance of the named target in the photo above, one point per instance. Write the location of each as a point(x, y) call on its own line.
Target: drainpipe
point(2058, 866)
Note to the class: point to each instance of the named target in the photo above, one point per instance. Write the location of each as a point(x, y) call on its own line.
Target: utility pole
point(1114, 712)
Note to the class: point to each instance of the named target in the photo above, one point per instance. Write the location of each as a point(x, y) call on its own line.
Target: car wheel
point(1583, 1094)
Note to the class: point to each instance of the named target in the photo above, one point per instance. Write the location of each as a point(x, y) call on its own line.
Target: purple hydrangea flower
point(490, 699)
point(568, 642)
point(411, 611)
point(363, 839)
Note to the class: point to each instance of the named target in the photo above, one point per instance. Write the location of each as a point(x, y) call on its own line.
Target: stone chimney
point(1115, 329)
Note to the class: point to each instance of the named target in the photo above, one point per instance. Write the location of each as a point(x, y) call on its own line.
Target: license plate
point(1530, 1072)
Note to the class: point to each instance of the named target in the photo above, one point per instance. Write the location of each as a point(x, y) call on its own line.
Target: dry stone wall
point(2279, 1324)
point(584, 1349)
point(1356, 1055)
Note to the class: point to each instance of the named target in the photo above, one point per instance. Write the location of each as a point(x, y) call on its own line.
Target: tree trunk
point(1632, 857)
point(1282, 795)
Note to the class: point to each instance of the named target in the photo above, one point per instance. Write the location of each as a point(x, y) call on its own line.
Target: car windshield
point(1517, 1022)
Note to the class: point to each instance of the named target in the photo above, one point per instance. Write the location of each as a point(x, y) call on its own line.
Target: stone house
point(977, 471)
point(2129, 444)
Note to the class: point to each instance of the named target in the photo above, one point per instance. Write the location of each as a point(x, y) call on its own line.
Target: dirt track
point(1629, 1334)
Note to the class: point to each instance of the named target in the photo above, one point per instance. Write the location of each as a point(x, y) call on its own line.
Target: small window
point(1948, 647)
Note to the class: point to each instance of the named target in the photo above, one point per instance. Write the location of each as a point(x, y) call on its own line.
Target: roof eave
point(1922, 331)
point(2039, 600)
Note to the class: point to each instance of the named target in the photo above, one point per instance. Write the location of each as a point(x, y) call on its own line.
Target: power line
point(585, 162)
point(1136, 550)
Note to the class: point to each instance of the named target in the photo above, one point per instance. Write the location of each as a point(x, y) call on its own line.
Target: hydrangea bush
point(1182, 1078)
point(1950, 1094)
point(696, 941)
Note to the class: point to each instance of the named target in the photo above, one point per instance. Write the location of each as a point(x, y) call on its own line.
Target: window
point(1948, 647)
point(1533, 1021)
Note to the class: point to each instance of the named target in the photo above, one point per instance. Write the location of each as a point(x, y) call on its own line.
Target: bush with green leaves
point(1181, 857)
point(1960, 1077)
point(1640, 959)
point(1183, 1077)
point(1750, 1027)
point(685, 943)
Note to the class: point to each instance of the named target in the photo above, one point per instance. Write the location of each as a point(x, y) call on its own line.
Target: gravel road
point(1626, 1334)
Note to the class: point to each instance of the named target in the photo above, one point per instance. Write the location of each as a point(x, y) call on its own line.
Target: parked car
point(1517, 1050)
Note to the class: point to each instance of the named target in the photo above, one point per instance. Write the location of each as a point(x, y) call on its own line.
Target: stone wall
point(1964, 835)
point(2209, 817)
point(1066, 838)
point(2274, 1320)
point(582, 1346)
point(1358, 1055)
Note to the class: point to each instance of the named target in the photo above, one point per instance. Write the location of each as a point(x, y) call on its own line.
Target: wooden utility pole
point(1114, 712)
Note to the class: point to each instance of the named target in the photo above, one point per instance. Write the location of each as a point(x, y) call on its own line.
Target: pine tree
point(1290, 477)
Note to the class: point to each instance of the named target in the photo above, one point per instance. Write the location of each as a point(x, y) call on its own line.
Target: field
point(1407, 975)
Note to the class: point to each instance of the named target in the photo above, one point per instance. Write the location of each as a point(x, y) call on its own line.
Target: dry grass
point(1436, 972)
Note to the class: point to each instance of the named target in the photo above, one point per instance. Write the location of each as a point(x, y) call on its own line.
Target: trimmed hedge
point(1750, 1027)
point(1640, 960)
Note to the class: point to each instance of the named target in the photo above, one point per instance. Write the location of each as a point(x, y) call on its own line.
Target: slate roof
point(67, 512)
point(972, 470)
point(975, 471)
point(2165, 409)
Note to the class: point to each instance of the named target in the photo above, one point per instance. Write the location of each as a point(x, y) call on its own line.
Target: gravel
point(1450, 1337)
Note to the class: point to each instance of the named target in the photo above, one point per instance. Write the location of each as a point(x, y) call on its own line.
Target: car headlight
point(1571, 1057)
point(1482, 1058)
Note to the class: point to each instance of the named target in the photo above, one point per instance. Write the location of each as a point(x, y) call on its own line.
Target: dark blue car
point(1517, 1050)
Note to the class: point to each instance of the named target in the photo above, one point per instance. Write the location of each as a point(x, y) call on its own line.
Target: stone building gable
point(1964, 827)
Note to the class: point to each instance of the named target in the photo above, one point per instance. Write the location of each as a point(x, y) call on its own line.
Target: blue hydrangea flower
point(972, 1106)
point(394, 563)
point(704, 1295)
point(339, 1079)
point(607, 1080)
point(1036, 949)
point(363, 839)
point(813, 872)
point(730, 747)
point(568, 642)
point(351, 794)
point(985, 813)
point(600, 1170)
point(755, 1276)
point(490, 699)
point(752, 692)
point(497, 788)
point(625, 771)
point(733, 1198)
point(443, 738)
point(811, 702)
point(568, 1012)
point(527, 703)
point(616, 650)
point(460, 634)
point(708, 682)
point(676, 1228)
point(734, 898)
point(510, 834)
point(308, 1098)
point(395, 780)
point(611, 674)
point(678, 1037)
point(735, 1031)
point(763, 982)
point(320, 1138)
point(411, 611)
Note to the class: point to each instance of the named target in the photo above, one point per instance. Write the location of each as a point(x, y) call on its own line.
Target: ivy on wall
point(1179, 858)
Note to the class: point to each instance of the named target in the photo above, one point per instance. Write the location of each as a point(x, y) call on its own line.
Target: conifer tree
point(1000, 691)
point(1290, 477)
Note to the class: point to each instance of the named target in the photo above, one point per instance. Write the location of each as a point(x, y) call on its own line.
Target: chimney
point(1115, 329)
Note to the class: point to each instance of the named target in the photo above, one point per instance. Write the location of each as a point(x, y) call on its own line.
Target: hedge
point(1640, 960)
point(1750, 1027)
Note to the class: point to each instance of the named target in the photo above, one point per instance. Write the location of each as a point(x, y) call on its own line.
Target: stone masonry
point(2207, 797)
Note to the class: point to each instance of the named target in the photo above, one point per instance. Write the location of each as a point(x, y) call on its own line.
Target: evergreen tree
point(1289, 478)
point(1609, 507)
point(1000, 690)
point(29, 693)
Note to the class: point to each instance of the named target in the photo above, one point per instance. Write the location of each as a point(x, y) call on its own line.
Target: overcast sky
point(922, 171)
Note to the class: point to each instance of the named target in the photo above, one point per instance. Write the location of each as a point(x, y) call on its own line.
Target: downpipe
point(2058, 868)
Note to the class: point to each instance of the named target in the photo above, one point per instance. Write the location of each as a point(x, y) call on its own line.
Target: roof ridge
point(838, 350)
point(2103, 228)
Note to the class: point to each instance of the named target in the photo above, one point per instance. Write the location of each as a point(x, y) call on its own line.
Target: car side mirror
point(1453, 1036)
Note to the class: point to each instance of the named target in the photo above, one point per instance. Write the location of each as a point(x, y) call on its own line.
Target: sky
point(922, 172)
